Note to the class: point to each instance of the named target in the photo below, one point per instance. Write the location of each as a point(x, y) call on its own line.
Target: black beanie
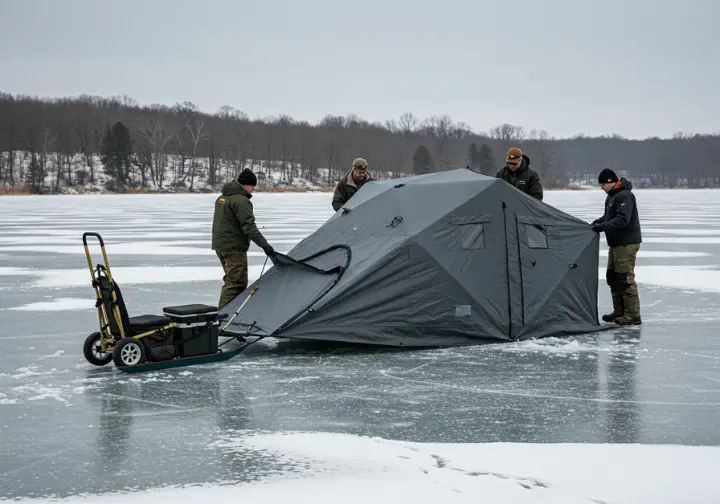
point(607, 176)
point(247, 177)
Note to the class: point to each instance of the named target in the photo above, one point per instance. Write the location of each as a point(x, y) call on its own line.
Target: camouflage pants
point(620, 275)
point(235, 265)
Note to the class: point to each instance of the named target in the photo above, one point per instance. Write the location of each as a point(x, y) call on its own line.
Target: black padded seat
point(143, 323)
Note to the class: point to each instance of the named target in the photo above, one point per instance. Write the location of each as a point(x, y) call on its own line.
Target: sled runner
point(183, 335)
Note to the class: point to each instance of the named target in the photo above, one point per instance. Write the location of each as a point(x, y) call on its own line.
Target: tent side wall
point(561, 290)
point(469, 246)
point(553, 265)
point(406, 299)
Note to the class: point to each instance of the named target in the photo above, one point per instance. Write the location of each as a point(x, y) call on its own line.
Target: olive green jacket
point(234, 221)
point(346, 189)
point(526, 179)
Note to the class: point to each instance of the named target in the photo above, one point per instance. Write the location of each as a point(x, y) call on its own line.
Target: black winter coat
point(525, 178)
point(621, 222)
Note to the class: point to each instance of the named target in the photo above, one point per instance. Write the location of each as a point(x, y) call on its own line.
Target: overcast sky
point(636, 68)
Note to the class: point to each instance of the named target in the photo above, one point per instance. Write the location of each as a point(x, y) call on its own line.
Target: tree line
point(48, 145)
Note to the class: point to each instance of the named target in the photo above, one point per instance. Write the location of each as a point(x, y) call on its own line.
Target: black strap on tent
point(340, 270)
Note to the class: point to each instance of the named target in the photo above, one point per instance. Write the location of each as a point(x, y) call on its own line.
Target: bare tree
point(408, 124)
point(158, 138)
point(507, 133)
point(196, 130)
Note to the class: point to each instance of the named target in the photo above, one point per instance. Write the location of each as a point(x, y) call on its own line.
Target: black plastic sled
point(184, 335)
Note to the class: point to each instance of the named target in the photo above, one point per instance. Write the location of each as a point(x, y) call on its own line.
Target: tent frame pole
point(507, 273)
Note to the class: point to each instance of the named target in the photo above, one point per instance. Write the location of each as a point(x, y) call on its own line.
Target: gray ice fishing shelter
point(446, 258)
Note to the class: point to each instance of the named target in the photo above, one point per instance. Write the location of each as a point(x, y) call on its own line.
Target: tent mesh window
point(536, 236)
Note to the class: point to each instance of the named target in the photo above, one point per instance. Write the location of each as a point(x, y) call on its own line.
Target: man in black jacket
point(621, 225)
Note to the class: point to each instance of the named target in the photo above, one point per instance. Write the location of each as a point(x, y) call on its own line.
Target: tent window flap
point(472, 236)
point(536, 236)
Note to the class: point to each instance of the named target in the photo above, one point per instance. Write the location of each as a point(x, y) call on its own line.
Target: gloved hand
point(269, 251)
point(596, 227)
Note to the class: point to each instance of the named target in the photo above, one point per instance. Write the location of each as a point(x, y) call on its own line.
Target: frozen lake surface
point(69, 428)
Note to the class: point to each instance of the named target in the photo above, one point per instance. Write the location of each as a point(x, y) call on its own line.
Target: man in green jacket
point(517, 172)
point(233, 228)
point(351, 183)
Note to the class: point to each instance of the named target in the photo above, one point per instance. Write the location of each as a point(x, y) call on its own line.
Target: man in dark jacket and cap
point(621, 225)
point(517, 172)
point(233, 229)
point(351, 183)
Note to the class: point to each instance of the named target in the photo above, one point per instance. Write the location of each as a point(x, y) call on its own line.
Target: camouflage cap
point(514, 154)
point(360, 163)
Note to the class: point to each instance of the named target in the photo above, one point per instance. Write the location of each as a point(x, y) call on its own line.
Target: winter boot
point(628, 320)
point(631, 302)
point(617, 312)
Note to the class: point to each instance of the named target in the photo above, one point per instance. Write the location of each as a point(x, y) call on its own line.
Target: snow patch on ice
point(25, 372)
point(554, 345)
point(299, 379)
point(38, 239)
point(709, 240)
point(58, 304)
point(4, 399)
point(650, 230)
point(56, 354)
point(12, 271)
point(663, 253)
point(147, 248)
point(32, 370)
point(682, 232)
point(37, 392)
point(324, 468)
point(129, 275)
point(691, 277)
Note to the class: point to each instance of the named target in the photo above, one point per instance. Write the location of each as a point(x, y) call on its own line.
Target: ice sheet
point(688, 277)
point(79, 429)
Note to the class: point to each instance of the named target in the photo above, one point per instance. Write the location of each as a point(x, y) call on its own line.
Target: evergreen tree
point(116, 155)
point(422, 161)
point(474, 157)
point(486, 160)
